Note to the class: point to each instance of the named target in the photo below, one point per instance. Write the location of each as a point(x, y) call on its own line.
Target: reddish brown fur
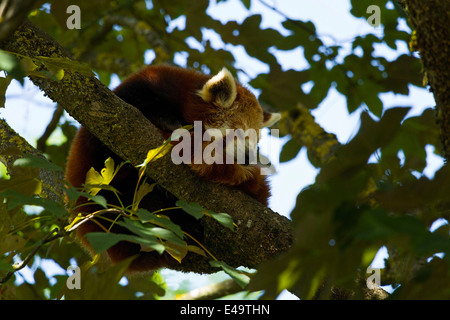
point(168, 97)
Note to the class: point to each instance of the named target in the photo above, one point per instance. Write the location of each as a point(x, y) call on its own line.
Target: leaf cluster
point(355, 207)
point(154, 231)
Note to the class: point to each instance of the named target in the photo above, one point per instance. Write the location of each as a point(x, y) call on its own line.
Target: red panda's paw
point(228, 174)
point(258, 188)
point(246, 178)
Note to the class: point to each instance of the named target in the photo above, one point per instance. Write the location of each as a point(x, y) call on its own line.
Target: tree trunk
point(431, 38)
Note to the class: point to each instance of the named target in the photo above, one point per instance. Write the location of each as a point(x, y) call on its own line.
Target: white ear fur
point(272, 120)
point(220, 89)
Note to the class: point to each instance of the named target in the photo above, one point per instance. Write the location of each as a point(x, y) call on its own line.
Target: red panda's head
point(231, 108)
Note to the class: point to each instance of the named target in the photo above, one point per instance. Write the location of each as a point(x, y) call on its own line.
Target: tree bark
point(261, 233)
point(13, 147)
point(431, 38)
point(212, 291)
point(300, 124)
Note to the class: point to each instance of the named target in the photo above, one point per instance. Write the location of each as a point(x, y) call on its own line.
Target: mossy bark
point(300, 124)
point(13, 147)
point(431, 37)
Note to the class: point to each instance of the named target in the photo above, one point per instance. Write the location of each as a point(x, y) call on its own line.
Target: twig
point(41, 143)
point(48, 238)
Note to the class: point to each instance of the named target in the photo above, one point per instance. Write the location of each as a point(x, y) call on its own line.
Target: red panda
point(171, 97)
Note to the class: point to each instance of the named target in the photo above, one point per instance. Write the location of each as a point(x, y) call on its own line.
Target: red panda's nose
point(251, 156)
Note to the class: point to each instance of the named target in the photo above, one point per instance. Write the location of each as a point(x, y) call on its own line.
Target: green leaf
point(282, 89)
point(102, 241)
point(197, 211)
point(4, 83)
point(223, 218)
point(402, 72)
point(369, 93)
point(142, 191)
point(147, 230)
point(371, 136)
point(26, 183)
point(11, 243)
point(97, 285)
point(73, 195)
point(194, 209)
point(246, 3)
point(58, 65)
point(178, 252)
point(159, 220)
point(30, 161)
point(11, 65)
point(421, 193)
point(430, 282)
point(16, 199)
point(241, 279)
point(5, 266)
point(252, 37)
point(304, 34)
point(415, 134)
point(8, 61)
point(100, 200)
point(290, 150)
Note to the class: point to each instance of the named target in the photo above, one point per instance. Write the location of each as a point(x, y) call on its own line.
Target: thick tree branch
point(261, 234)
point(13, 147)
point(431, 38)
point(300, 124)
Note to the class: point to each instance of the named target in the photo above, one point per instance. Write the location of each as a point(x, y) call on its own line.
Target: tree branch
point(261, 234)
point(212, 291)
point(300, 124)
point(431, 38)
point(13, 147)
point(42, 141)
point(52, 235)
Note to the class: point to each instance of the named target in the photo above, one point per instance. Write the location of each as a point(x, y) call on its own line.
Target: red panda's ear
point(270, 119)
point(220, 89)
